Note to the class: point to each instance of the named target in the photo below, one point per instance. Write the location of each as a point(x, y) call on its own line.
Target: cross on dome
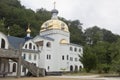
point(54, 12)
point(54, 4)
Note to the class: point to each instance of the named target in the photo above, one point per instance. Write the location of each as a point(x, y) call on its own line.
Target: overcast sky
point(103, 13)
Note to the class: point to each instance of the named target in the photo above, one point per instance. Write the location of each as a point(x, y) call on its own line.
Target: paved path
point(91, 77)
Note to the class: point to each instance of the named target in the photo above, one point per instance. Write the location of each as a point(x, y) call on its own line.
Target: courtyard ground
point(91, 77)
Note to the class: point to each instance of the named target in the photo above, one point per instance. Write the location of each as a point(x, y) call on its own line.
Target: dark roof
point(54, 11)
point(45, 37)
point(27, 38)
point(72, 44)
point(48, 38)
point(15, 41)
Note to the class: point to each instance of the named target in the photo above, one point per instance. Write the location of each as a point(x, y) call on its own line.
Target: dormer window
point(30, 45)
point(46, 25)
point(62, 26)
point(26, 46)
point(34, 47)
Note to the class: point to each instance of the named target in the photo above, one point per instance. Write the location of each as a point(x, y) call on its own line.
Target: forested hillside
point(101, 46)
point(17, 17)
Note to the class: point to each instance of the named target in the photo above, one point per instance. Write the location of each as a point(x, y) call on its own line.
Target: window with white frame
point(71, 49)
point(71, 58)
point(75, 49)
point(30, 56)
point(2, 43)
point(48, 44)
point(35, 57)
point(63, 57)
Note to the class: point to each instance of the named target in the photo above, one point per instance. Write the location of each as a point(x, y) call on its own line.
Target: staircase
point(36, 71)
point(15, 56)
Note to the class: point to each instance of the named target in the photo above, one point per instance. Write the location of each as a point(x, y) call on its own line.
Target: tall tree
point(88, 59)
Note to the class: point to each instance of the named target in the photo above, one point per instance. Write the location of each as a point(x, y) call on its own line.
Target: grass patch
point(111, 74)
point(80, 74)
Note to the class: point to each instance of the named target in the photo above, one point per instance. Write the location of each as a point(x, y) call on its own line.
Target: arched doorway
point(80, 68)
point(76, 68)
point(71, 68)
point(14, 68)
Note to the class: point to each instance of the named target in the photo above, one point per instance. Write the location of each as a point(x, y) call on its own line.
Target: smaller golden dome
point(28, 30)
point(63, 41)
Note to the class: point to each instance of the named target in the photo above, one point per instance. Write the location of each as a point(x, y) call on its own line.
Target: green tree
point(88, 59)
point(115, 49)
point(16, 30)
point(2, 28)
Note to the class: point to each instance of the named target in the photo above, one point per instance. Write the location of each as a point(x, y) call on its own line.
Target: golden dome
point(63, 41)
point(28, 30)
point(54, 24)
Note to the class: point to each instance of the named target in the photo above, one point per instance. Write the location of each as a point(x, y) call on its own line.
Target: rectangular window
point(75, 49)
point(71, 59)
point(35, 56)
point(24, 56)
point(30, 56)
point(67, 57)
point(49, 57)
point(76, 59)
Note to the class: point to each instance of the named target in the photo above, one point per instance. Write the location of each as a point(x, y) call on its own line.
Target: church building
point(51, 49)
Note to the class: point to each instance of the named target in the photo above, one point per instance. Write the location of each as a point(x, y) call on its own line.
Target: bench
point(5, 73)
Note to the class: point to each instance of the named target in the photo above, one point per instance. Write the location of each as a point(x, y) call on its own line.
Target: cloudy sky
point(103, 13)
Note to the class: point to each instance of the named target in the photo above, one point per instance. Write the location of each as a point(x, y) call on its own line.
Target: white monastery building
point(51, 49)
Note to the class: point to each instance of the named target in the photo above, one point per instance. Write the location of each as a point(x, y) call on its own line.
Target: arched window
point(71, 48)
point(2, 43)
point(30, 45)
point(63, 41)
point(79, 50)
point(14, 67)
point(26, 46)
point(75, 49)
point(67, 57)
point(62, 57)
point(34, 47)
point(48, 44)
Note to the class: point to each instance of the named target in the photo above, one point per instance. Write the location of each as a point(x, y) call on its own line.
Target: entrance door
point(71, 68)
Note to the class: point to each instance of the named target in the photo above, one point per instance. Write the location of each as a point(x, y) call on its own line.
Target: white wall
point(3, 36)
